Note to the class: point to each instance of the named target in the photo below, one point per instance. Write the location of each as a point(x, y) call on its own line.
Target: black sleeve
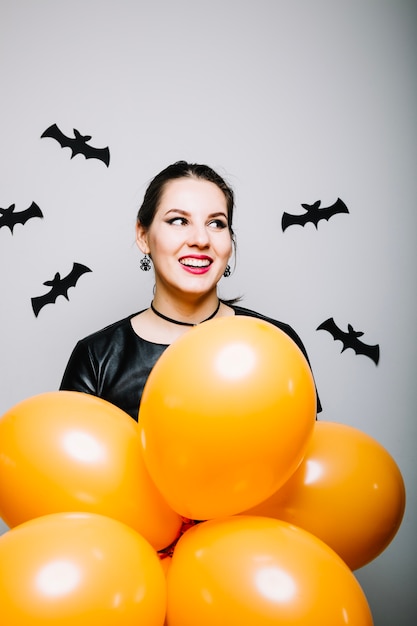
point(80, 374)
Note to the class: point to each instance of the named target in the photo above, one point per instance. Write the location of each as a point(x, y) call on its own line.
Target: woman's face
point(189, 239)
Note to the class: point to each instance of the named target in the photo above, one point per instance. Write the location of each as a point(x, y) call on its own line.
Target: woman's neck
point(185, 313)
point(156, 330)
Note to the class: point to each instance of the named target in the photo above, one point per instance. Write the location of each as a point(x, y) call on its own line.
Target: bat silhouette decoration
point(59, 287)
point(9, 217)
point(313, 213)
point(350, 339)
point(78, 144)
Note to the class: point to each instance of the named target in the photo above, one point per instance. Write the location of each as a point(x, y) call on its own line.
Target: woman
point(184, 228)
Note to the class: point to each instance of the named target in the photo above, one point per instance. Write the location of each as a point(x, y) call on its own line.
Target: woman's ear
point(142, 238)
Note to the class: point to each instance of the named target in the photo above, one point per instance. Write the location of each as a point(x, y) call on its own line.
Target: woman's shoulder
point(240, 310)
point(119, 329)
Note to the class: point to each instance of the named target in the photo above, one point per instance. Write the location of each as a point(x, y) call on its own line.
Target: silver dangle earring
point(227, 271)
point(145, 263)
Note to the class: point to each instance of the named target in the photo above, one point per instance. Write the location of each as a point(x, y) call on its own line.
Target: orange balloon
point(256, 571)
point(348, 491)
point(79, 569)
point(165, 563)
point(225, 416)
point(69, 451)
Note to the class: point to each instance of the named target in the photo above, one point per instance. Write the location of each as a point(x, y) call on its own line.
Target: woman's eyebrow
point(182, 212)
point(218, 214)
point(176, 211)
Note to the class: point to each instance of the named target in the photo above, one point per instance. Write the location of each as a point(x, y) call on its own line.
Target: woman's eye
point(218, 224)
point(183, 221)
point(177, 221)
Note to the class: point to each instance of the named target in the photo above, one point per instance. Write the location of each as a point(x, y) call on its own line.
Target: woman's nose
point(199, 236)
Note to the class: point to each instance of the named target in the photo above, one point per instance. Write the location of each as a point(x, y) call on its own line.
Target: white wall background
point(293, 101)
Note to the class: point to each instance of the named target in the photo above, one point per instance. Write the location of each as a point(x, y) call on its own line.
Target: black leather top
point(114, 363)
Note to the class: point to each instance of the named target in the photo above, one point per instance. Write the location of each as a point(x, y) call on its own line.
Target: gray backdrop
point(293, 101)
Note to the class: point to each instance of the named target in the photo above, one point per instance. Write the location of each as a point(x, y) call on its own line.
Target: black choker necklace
point(169, 319)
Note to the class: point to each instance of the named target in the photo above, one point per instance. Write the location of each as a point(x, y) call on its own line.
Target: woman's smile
point(196, 264)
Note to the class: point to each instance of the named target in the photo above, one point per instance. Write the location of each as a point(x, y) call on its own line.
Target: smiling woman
point(184, 228)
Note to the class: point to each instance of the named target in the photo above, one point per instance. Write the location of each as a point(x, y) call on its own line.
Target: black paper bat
point(9, 218)
point(313, 214)
point(78, 144)
point(350, 340)
point(59, 287)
